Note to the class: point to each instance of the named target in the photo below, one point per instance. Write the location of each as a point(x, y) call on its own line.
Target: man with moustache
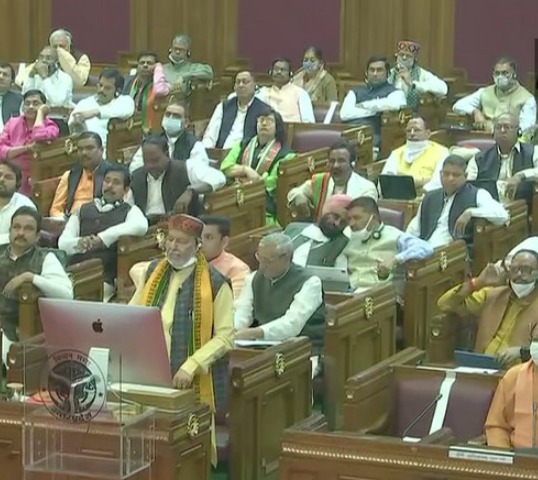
point(23, 261)
point(313, 195)
point(196, 304)
point(94, 230)
point(84, 181)
point(10, 101)
point(148, 83)
point(10, 199)
point(235, 119)
point(93, 113)
point(322, 243)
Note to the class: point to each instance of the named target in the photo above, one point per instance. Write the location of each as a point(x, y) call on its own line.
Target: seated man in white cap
point(322, 243)
point(196, 304)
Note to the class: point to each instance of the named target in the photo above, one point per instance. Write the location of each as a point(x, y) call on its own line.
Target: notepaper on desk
point(256, 343)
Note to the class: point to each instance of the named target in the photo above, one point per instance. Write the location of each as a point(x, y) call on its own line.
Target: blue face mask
point(310, 66)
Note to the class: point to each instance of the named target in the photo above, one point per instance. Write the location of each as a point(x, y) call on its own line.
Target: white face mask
point(364, 233)
point(413, 148)
point(522, 289)
point(502, 82)
point(181, 265)
point(172, 126)
point(534, 352)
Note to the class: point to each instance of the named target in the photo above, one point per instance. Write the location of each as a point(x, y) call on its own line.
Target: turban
point(408, 46)
point(190, 225)
point(336, 203)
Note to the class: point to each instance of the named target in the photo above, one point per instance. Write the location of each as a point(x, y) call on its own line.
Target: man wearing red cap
point(413, 79)
point(322, 244)
point(189, 293)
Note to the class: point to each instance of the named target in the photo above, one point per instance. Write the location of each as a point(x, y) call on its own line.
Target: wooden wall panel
point(374, 27)
point(212, 24)
point(24, 29)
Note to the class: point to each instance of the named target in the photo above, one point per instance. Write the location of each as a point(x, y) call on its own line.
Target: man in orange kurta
point(512, 420)
point(506, 305)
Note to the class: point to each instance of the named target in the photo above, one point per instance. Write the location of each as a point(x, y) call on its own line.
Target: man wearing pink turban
point(321, 244)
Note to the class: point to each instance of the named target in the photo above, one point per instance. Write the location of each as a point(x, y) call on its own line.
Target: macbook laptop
point(397, 187)
point(333, 279)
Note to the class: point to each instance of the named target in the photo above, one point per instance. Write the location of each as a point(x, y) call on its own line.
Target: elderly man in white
point(93, 113)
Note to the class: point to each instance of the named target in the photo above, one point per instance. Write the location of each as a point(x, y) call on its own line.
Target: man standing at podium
point(196, 305)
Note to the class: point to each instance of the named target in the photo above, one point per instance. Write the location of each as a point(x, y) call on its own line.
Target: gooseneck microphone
point(422, 413)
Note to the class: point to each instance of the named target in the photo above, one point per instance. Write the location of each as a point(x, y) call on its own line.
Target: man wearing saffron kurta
point(314, 194)
point(420, 157)
point(148, 83)
point(21, 134)
point(507, 311)
point(257, 158)
point(196, 305)
point(512, 420)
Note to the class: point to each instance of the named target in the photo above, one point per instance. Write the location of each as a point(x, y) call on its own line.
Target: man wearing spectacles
point(505, 300)
point(505, 94)
point(511, 163)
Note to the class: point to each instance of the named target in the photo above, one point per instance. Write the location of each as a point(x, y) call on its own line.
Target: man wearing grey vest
point(280, 300)
point(235, 119)
point(511, 163)
point(363, 105)
point(447, 213)
point(322, 244)
point(23, 261)
point(93, 231)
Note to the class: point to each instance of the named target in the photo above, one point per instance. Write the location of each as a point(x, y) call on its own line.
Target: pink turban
point(336, 203)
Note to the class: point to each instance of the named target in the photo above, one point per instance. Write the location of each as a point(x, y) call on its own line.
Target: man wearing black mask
point(322, 244)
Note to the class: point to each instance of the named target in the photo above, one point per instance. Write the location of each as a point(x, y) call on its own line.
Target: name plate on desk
point(481, 454)
point(161, 398)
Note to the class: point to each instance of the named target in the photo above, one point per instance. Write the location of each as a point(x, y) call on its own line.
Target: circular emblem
point(73, 387)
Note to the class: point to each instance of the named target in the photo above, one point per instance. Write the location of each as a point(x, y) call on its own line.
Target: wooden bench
point(43, 193)
point(122, 134)
point(52, 159)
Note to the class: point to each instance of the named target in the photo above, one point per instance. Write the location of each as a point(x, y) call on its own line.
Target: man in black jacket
point(10, 101)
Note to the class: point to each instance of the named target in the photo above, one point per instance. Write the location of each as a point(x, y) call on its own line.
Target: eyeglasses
point(266, 120)
point(523, 270)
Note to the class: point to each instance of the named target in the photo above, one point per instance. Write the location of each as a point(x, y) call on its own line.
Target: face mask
point(309, 66)
point(364, 233)
point(534, 352)
point(502, 82)
point(172, 126)
point(522, 289)
point(175, 61)
point(181, 266)
point(414, 146)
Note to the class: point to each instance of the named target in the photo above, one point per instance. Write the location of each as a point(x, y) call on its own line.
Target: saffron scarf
point(523, 407)
point(144, 98)
point(266, 156)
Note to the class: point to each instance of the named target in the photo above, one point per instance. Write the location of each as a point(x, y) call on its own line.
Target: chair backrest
point(394, 218)
point(307, 140)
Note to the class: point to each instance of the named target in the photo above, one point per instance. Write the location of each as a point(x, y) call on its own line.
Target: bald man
point(321, 244)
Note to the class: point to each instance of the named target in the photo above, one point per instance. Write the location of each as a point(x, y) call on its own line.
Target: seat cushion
point(307, 140)
point(394, 218)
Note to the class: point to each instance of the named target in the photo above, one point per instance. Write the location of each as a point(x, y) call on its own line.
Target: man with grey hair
point(73, 62)
point(180, 70)
point(280, 300)
point(513, 164)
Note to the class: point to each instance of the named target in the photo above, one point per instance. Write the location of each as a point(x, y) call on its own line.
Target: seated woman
point(21, 133)
point(258, 157)
point(313, 77)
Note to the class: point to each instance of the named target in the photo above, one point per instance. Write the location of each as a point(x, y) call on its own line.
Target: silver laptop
point(333, 279)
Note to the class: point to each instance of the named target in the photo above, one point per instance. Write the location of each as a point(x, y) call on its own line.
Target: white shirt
point(306, 110)
point(199, 175)
point(505, 172)
point(53, 281)
point(212, 131)
point(351, 111)
point(305, 302)
point(198, 154)
point(135, 224)
point(427, 83)
point(357, 186)
point(58, 88)
point(17, 200)
point(391, 166)
point(122, 107)
point(466, 105)
point(487, 208)
point(314, 233)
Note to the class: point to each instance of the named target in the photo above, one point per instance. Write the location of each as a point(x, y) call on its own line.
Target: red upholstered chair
point(480, 143)
point(308, 140)
point(394, 218)
point(320, 112)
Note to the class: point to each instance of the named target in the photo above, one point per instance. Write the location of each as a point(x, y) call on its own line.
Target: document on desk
point(256, 343)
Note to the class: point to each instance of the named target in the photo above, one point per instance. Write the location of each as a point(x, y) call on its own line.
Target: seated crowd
point(341, 219)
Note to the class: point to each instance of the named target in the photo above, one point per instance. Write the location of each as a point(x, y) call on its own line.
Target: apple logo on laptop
point(97, 326)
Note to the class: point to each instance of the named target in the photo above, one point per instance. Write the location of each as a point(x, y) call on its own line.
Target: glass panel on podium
point(76, 420)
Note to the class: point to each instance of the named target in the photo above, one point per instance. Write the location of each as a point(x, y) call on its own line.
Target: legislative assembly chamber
point(285, 240)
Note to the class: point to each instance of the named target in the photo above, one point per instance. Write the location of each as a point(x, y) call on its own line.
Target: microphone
point(534, 409)
point(421, 414)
